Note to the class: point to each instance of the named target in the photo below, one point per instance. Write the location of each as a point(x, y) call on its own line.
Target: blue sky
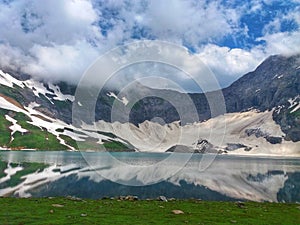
point(59, 39)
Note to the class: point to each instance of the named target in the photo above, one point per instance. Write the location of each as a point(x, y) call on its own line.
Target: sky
point(57, 40)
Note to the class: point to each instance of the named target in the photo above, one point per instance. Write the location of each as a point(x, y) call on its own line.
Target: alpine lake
point(97, 175)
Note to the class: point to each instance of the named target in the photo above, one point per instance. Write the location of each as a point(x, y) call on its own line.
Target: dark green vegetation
point(77, 211)
point(115, 145)
point(5, 132)
point(35, 138)
point(41, 139)
point(28, 168)
point(2, 168)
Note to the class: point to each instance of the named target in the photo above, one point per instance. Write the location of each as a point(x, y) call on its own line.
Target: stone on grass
point(162, 198)
point(177, 212)
point(57, 205)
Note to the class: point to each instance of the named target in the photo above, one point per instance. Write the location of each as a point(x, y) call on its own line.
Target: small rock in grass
point(57, 205)
point(131, 198)
point(177, 212)
point(121, 197)
point(233, 221)
point(240, 204)
point(51, 211)
point(83, 214)
point(162, 198)
point(73, 198)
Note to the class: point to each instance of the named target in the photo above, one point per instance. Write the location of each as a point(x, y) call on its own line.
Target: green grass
point(4, 128)
point(66, 211)
point(36, 138)
point(115, 145)
point(91, 144)
point(69, 141)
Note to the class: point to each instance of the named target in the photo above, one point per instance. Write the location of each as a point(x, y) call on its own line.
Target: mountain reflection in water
point(227, 178)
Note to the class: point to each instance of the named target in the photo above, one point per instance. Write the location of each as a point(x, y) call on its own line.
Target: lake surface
point(149, 175)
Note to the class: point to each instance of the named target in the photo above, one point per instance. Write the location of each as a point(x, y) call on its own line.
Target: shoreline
point(250, 155)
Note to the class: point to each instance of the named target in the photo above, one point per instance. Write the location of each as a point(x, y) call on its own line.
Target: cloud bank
point(58, 40)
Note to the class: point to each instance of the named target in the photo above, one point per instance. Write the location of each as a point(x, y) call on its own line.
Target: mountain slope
point(38, 115)
point(31, 116)
point(275, 84)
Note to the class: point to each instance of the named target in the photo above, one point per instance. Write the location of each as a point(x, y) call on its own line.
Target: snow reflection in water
point(228, 178)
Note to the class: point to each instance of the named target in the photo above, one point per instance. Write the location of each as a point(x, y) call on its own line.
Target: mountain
point(275, 84)
point(263, 115)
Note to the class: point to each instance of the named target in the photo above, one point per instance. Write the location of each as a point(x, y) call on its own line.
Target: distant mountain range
point(263, 115)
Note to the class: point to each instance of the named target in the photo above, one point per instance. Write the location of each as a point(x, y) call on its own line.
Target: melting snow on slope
point(15, 127)
point(52, 125)
point(294, 103)
point(150, 136)
point(123, 100)
point(60, 96)
point(38, 88)
point(9, 81)
point(4, 104)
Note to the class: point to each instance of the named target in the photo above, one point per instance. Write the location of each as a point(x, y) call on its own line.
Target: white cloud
point(188, 21)
point(229, 64)
point(49, 40)
point(59, 39)
point(286, 43)
point(12, 58)
point(55, 62)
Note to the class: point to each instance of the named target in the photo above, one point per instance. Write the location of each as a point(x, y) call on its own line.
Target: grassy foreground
point(67, 211)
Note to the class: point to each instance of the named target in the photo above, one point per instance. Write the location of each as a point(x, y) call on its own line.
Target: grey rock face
point(271, 85)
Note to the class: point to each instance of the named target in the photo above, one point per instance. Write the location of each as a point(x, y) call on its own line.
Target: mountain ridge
point(274, 88)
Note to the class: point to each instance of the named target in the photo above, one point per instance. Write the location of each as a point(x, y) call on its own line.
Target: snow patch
point(296, 108)
point(4, 104)
point(60, 96)
point(123, 100)
point(153, 137)
point(33, 105)
point(293, 101)
point(38, 88)
point(15, 127)
point(9, 81)
point(294, 104)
